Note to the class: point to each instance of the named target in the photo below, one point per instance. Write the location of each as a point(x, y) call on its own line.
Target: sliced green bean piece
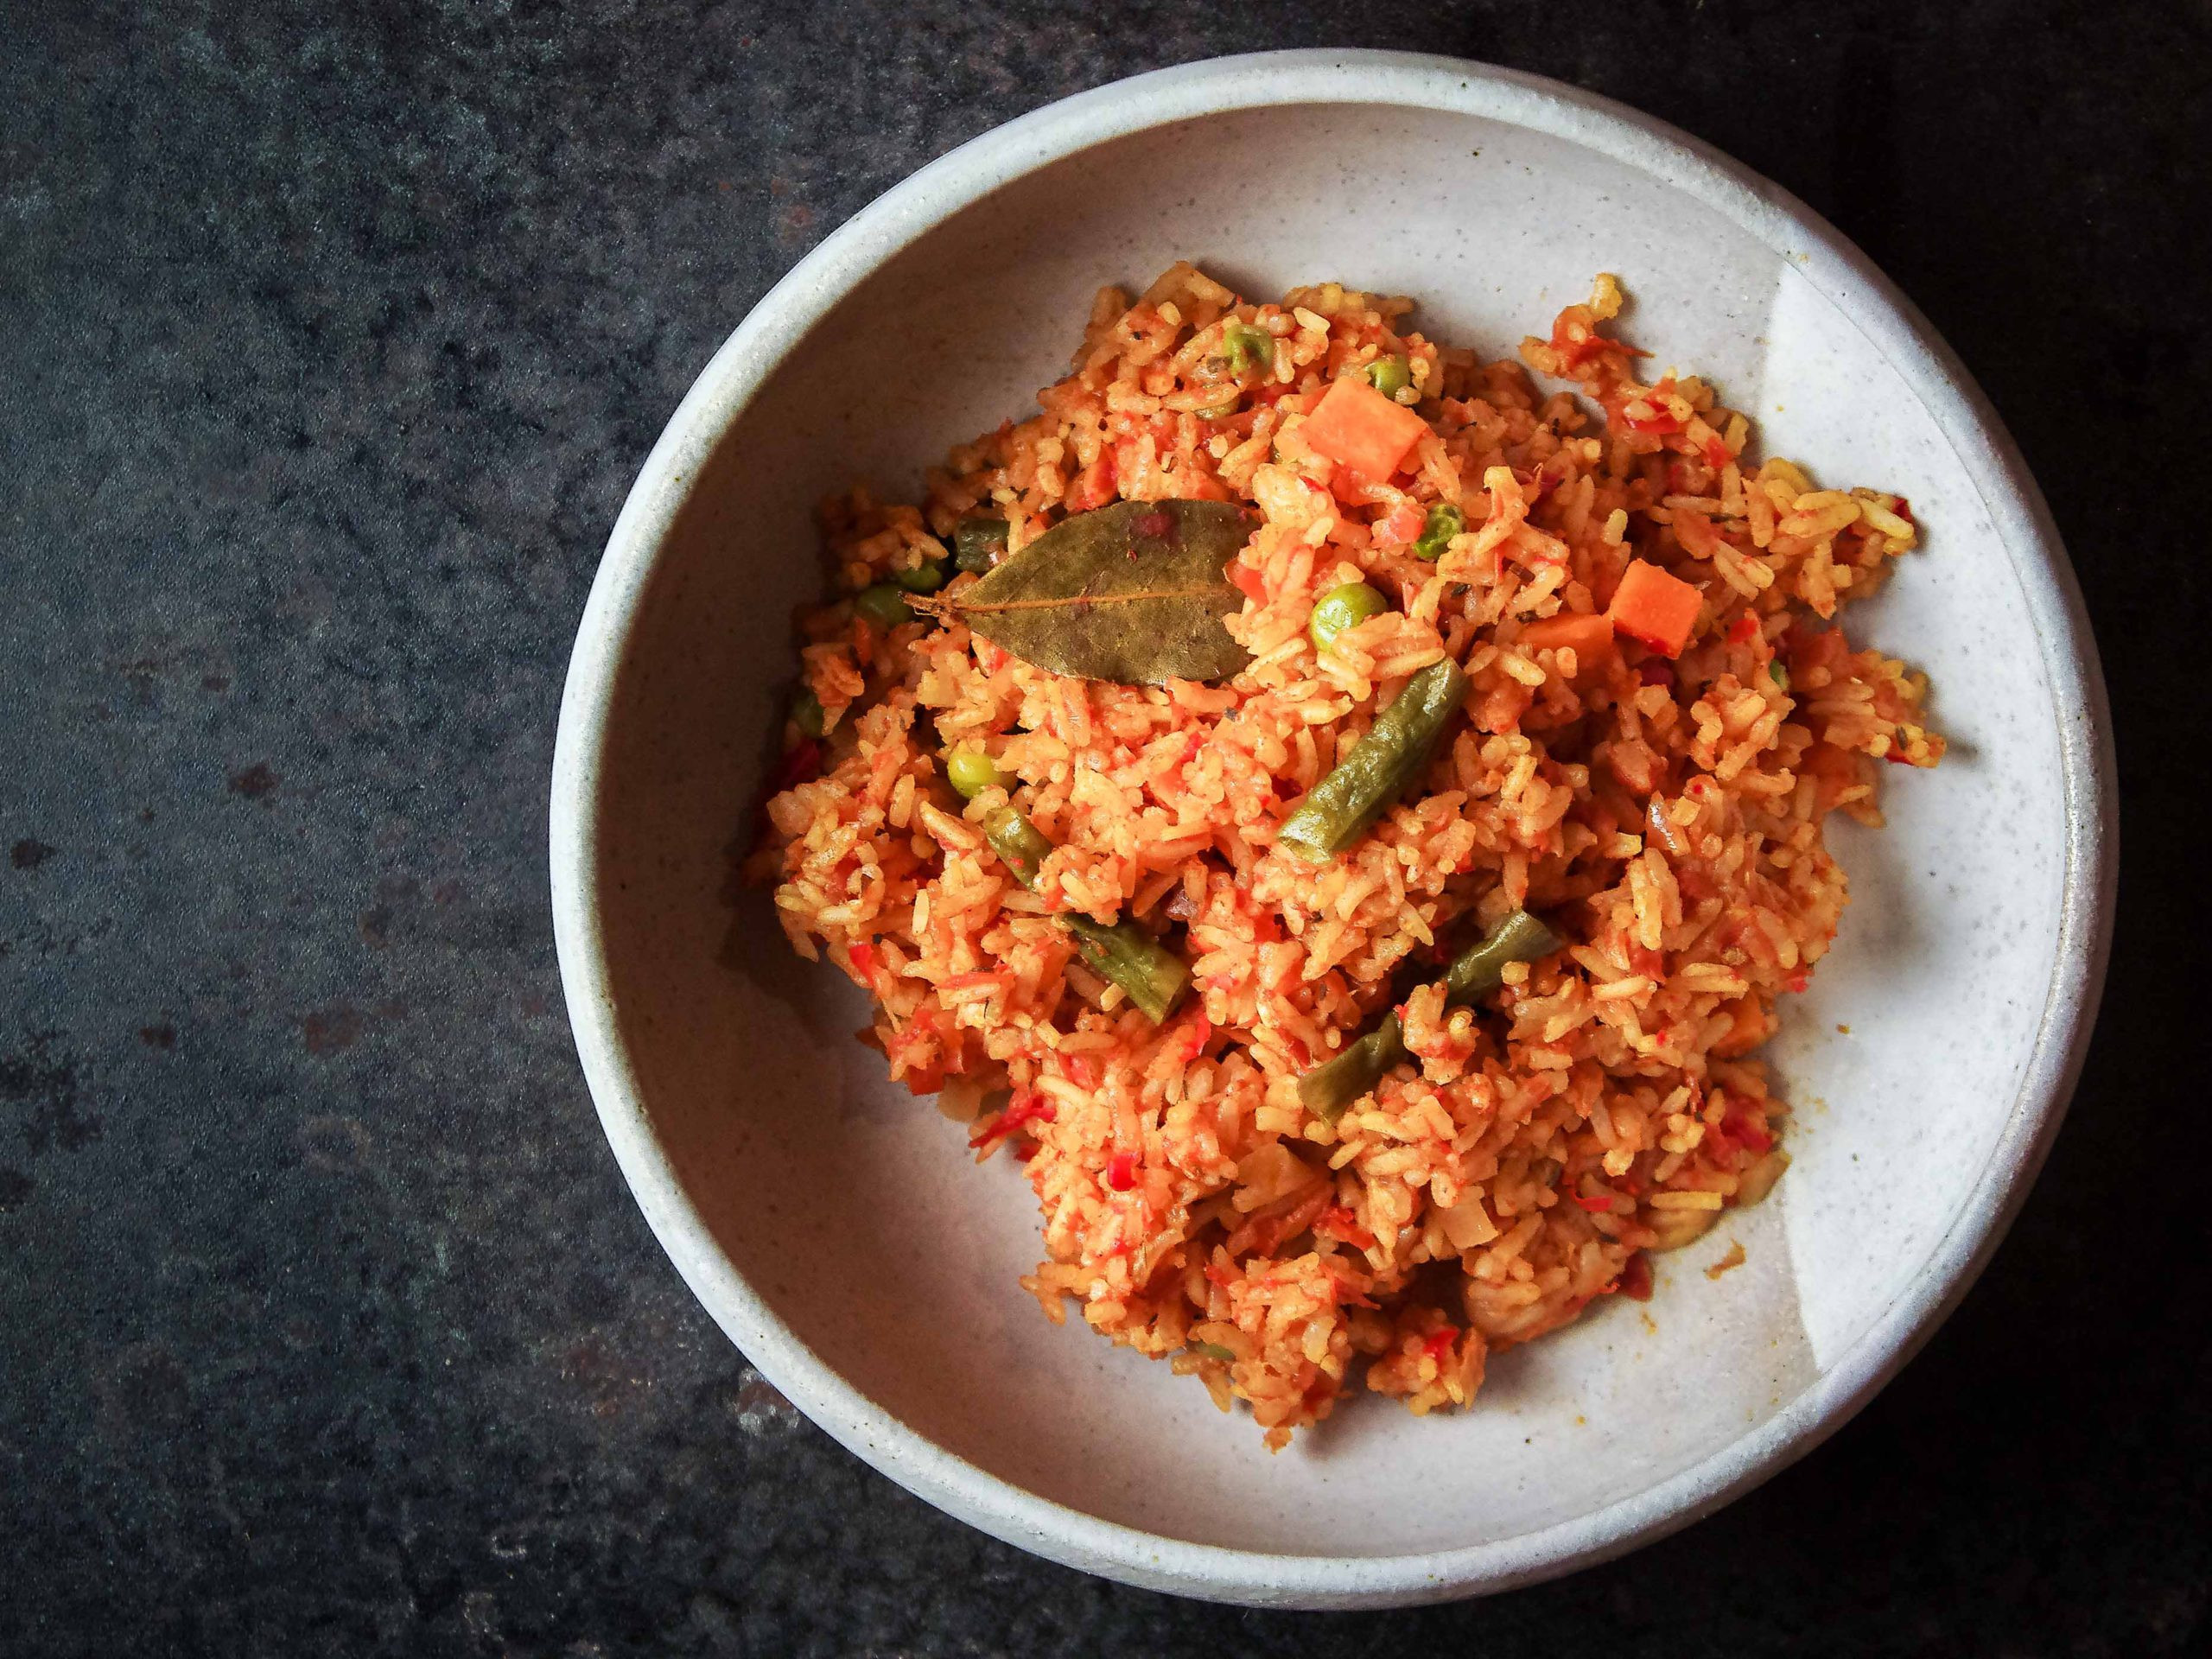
point(978, 543)
point(1356, 1071)
point(807, 714)
point(1150, 975)
point(1213, 1351)
point(1018, 843)
point(1388, 375)
point(1480, 969)
point(1379, 768)
point(1477, 971)
point(1443, 522)
point(924, 578)
point(883, 605)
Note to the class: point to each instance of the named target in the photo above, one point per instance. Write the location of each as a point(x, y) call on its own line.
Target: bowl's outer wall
point(851, 1211)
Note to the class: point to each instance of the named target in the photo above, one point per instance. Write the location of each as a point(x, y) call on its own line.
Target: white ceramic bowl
point(834, 1225)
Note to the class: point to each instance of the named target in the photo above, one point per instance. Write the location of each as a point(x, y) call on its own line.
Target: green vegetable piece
point(1363, 1063)
point(978, 543)
point(1018, 843)
point(924, 578)
point(1388, 375)
point(972, 772)
point(884, 605)
point(1247, 345)
point(1780, 674)
point(1150, 975)
point(1480, 969)
point(1344, 607)
point(806, 713)
point(1214, 1351)
point(1133, 593)
point(1392, 756)
point(1443, 522)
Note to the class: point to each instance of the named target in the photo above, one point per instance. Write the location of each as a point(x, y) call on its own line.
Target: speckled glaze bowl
point(834, 1226)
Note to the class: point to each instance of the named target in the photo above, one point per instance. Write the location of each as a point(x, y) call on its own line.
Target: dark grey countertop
point(331, 337)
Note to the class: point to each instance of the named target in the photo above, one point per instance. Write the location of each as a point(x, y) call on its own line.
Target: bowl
point(835, 1227)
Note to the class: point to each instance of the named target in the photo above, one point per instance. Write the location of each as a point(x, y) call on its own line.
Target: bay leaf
point(1133, 593)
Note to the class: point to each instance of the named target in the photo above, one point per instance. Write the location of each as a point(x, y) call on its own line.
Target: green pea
point(1388, 375)
point(972, 772)
point(1344, 607)
point(1247, 345)
point(806, 713)
point(1443, 522)
point(978, 543)
point(883, 605)
point(924, 578)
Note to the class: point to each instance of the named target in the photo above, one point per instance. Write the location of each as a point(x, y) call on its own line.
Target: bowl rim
point(822, 280)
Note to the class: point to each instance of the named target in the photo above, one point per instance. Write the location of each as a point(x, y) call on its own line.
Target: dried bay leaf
point(1133, 593)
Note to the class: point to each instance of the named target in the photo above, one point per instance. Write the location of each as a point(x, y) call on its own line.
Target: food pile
point(1342, 816)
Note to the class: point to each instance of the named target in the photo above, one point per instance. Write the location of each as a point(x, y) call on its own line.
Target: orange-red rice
point(1667, 816)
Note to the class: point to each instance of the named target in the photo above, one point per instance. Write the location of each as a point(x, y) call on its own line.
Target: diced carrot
point(1655, 607)
point(1747, 1028)
point(1248, 582)
point(1591, 638)
point(1355, 426)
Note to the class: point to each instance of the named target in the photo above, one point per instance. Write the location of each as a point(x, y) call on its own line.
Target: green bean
point(1480, 969)
point(972, 772)
point(883, 605)
point(924, 578)
point(1477, 971)
point(1381, 765)
point(1343, 608)
point(1388, 375)
point(1151, 975)
point(1443, 522)
point(978, 543)
point(806, 713)
point(1247, 345)
point(1356, 1071)
point(1018, 843)
point(1213, 1351)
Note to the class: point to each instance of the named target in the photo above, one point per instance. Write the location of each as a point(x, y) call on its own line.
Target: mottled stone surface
point(330, 338)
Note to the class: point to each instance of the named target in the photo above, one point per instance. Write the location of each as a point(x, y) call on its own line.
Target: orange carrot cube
point(1355, 426)
point(1655, 607)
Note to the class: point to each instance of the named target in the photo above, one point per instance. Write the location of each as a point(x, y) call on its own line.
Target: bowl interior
point(853, 1208)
